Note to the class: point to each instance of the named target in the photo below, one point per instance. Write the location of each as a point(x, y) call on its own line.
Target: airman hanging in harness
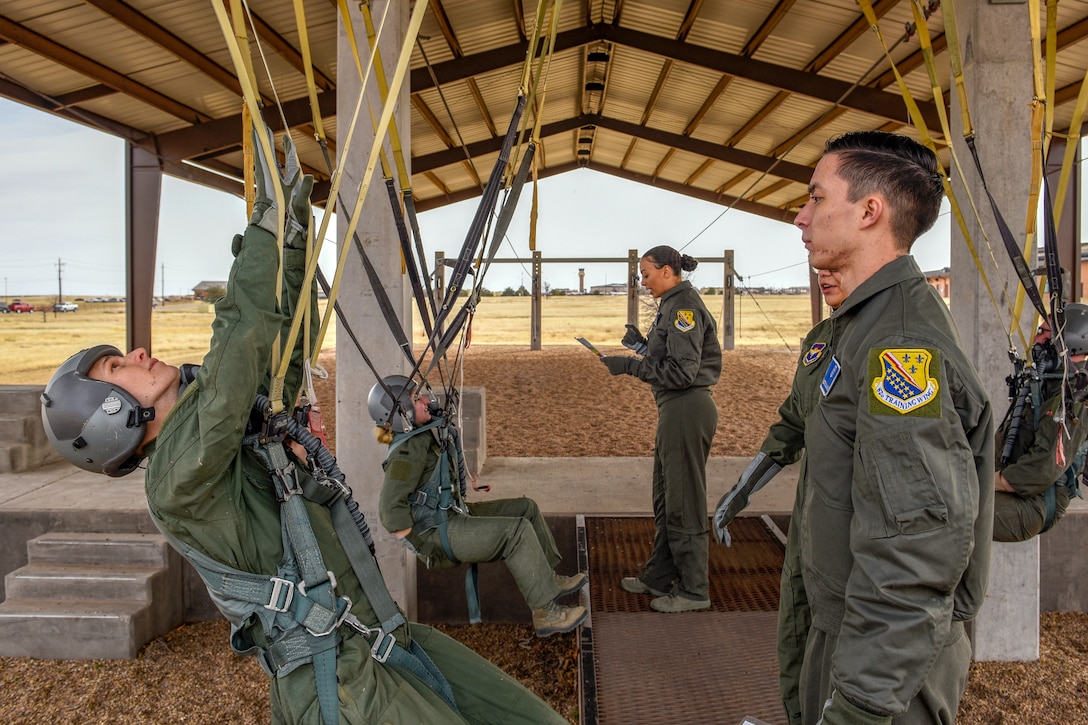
point(423, 504)
point(1041, 441)
point(283, 550)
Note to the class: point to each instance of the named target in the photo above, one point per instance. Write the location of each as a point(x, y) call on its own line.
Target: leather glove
point(619, 364)
point(761, 470)
point(634, 340)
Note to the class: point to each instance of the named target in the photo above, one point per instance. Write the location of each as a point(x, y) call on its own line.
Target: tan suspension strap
point(250, 96)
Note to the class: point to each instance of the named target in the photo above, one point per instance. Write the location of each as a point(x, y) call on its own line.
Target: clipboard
point(589, 345)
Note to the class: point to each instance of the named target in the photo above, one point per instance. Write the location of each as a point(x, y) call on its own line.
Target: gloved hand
point(759, 471)
point(296, 192)
point(634, 340)
point(619, 364)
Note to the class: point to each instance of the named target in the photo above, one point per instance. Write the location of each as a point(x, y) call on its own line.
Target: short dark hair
point(904, 171)
point(665, 256)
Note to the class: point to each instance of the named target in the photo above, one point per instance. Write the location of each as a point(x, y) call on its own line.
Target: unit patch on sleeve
point(685, 320)
point(814, 353)
point(905, 382)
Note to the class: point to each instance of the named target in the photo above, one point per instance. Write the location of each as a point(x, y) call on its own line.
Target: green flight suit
point(509, 530)
point(784, 444)
point(683, 360)
point(1035, 469)
point(898, 509)
point(208, 490)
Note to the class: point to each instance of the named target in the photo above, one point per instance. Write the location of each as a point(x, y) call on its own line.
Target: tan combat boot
point(570, 584)
point(554, 618)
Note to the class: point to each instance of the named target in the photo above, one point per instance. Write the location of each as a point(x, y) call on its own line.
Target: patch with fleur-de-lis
point(685, 320)
point(906, 381)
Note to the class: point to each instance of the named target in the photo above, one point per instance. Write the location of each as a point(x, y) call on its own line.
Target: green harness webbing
point(298, 608)
point(431, 503)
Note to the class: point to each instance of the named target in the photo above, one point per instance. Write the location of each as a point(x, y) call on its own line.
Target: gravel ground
point(190, 675)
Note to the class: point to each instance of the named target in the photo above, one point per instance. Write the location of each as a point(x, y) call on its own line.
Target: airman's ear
point(873, 210)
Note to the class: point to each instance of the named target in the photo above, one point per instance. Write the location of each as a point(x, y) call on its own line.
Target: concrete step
point(23, 443)
point(85, 630)
point(14, 457)
point(90, 596)
point(92, 548)
point(73, 582)
point(21, 399)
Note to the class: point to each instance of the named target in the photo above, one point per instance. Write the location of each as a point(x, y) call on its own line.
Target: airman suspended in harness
point(423, 504)
point(282, 548)
point(1040, 441)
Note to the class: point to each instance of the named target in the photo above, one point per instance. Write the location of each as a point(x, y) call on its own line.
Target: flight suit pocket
point(903, 482)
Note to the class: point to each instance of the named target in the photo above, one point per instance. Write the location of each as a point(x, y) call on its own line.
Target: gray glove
point(296, 192)
point(619, 364)
point(634, 340)
point(761, 470)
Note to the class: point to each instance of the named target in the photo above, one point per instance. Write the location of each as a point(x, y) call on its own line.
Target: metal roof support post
point(728, 332)
point(143, 191)
point(632, 287)
point(534, 314)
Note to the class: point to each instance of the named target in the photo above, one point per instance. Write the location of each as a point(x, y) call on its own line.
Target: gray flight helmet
point(390, 410)
point(95, 425)
point(1075, 332)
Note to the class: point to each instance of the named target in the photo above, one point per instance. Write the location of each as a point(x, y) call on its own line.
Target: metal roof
point(725, 100)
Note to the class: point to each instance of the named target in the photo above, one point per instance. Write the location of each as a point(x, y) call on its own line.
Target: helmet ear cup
point(1075, 332)
point(94, 425)
point(391, 410)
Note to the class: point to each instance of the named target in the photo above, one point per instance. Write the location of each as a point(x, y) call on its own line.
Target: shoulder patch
point(906, 381)
point(814, 353)
point(685, 320)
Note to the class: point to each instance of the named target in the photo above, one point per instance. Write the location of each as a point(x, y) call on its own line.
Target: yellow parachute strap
point(249, 94)
point(1038, 118)
point(403, 176)
point(534, 212)
point(922, 128)
point(529, 79)
point(1071, 147)
point(1051, 62)
point(375, 64)
point(311, 85)
point(334, 192)
point(952, 42)
point(922, 29)
point(379, 135)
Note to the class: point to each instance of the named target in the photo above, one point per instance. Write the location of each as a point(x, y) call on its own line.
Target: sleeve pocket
point(902, 480)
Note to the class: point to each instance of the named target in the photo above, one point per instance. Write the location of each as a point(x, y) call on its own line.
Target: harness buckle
point(331, 579)
point(282, 589)
point(382, 647)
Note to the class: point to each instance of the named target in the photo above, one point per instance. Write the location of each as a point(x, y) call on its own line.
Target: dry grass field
point(32, 345)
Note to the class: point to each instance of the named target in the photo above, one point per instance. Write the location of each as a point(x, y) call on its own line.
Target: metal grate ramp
point(711, 666)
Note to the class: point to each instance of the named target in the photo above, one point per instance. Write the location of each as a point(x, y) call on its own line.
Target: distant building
point(616, 288)
point(208, 290)
point(941, 280)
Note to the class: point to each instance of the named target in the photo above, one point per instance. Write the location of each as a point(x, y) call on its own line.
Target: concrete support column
point(359, 455)
point(999, 88)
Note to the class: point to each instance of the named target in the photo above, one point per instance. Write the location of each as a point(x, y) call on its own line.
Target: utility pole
point(162, 283)
point(60, 293)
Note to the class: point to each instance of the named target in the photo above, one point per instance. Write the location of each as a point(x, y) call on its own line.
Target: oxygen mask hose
point(326, 461)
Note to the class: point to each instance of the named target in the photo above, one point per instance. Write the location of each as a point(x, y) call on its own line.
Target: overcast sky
point(62, 215)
